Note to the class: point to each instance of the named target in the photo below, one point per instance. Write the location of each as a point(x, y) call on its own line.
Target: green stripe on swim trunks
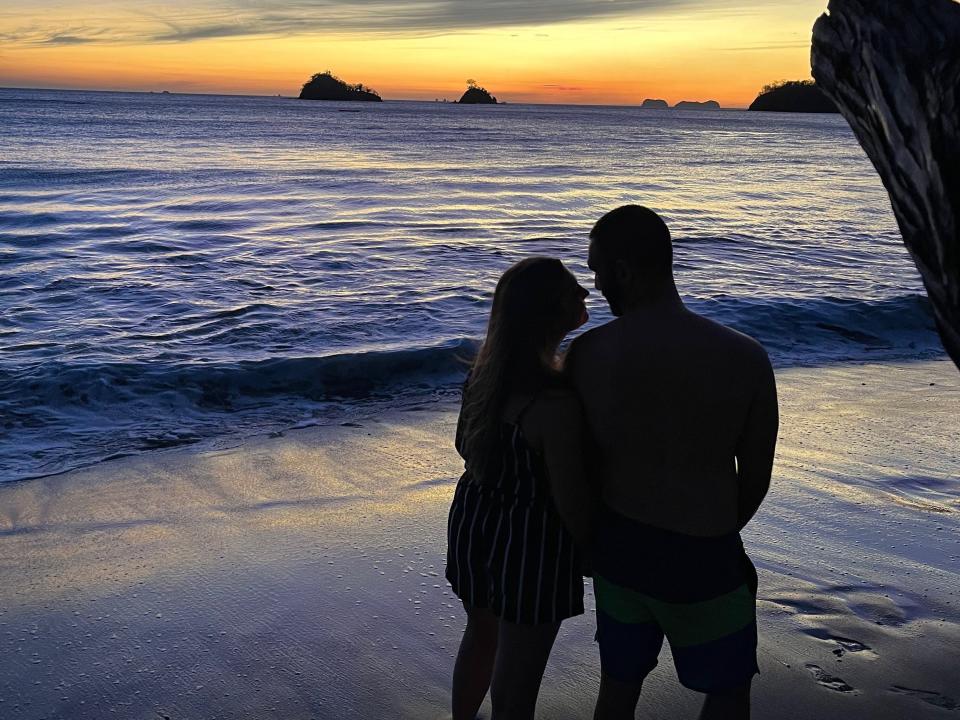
point(625, 606)
point(684, 624)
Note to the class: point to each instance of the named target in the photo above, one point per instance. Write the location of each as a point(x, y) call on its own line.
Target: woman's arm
point(557, 428)
point(458, 438)
point(461, 422)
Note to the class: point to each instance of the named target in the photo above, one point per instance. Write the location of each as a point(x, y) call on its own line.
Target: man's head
point(631, 256)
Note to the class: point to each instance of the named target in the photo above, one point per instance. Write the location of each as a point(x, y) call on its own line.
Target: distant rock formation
point(476, 95)
point(654, 104)
point(793, 96)
point(327, 86)
point(692, 105)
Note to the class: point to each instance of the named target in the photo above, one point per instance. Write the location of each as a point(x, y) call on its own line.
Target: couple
point(638, 459)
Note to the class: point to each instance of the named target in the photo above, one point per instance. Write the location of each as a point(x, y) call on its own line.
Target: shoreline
point(347, 411)
point(301, 575)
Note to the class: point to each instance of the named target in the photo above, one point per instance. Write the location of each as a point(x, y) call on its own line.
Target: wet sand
point(302, 576)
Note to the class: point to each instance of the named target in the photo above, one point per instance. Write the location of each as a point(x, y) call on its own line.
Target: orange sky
point(575, 51)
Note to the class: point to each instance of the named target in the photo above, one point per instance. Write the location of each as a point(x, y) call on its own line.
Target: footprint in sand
point(844, 645)
point(827, 680)
point(849, 646)
point(928, 696)
point(805, 606)
point(873, 603)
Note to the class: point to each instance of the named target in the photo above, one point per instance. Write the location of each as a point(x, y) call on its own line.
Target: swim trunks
point(699, 593)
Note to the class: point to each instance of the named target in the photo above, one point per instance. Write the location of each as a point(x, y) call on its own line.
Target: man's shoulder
point(586, 355)
point(734, 341)
point(593, 338)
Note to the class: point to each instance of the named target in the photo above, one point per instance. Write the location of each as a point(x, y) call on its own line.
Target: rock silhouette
point(894, 71)
point(793, 96)
point(327, 86)
point(476, 95)
point(693, 105)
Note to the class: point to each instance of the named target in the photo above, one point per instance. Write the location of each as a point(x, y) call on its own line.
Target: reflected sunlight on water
point(181, 268)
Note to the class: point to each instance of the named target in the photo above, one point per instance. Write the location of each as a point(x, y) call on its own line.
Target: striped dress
point(507, 549)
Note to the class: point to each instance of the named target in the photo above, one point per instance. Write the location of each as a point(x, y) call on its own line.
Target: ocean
point(180, 269)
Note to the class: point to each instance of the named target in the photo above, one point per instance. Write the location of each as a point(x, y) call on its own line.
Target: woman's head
point(536, 303)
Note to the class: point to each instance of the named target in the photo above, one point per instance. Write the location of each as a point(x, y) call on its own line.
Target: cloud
point(38, 36)
point(207, 19)
point(445, 15)
point(205, 32)
point(791, 45)
point(471, 14)
point(67, 40)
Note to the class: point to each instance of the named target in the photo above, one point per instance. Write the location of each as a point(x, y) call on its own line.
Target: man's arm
point(756, 446)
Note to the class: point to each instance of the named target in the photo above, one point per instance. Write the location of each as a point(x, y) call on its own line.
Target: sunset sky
point(573, 51)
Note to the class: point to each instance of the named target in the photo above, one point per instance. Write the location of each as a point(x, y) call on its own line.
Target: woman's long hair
point(532, 310)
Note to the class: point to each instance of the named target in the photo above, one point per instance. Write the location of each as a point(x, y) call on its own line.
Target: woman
point(522, 507)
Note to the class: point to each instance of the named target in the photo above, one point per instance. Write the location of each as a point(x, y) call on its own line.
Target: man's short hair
point(636, 235)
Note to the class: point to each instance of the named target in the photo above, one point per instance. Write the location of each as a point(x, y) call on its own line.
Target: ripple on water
point(203, 233)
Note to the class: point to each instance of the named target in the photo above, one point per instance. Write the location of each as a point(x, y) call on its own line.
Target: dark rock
point(794, 96)
point(476, 95)
point(327, 86)
point(893, 69)
point(654, 104)
point(693, 105)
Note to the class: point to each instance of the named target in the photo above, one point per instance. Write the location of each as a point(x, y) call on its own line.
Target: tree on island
point(327, 86)
point(793, 96)
point(477, 95)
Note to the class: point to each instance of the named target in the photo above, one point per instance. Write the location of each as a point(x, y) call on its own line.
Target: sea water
point(180, 268)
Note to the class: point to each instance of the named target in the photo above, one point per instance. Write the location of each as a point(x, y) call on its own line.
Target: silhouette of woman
point(522, 509)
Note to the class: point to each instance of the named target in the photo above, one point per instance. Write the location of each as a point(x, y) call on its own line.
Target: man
point(683, 414)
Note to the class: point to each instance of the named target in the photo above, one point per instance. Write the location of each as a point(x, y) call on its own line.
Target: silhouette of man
point(683, 414)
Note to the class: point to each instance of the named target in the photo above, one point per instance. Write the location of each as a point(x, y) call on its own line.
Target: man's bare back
point(676, 403)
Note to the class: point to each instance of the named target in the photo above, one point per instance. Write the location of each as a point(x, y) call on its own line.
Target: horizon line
point(295, 97)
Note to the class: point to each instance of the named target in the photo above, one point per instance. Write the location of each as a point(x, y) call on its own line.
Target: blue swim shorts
point(699, 593)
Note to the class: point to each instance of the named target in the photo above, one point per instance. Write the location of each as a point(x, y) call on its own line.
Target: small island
point(693, 105)
point(650, 104)
point(476, 95)
point(327, 86)
point(793, 96)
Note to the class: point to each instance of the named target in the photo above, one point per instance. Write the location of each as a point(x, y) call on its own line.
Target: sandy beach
point(301, 576)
